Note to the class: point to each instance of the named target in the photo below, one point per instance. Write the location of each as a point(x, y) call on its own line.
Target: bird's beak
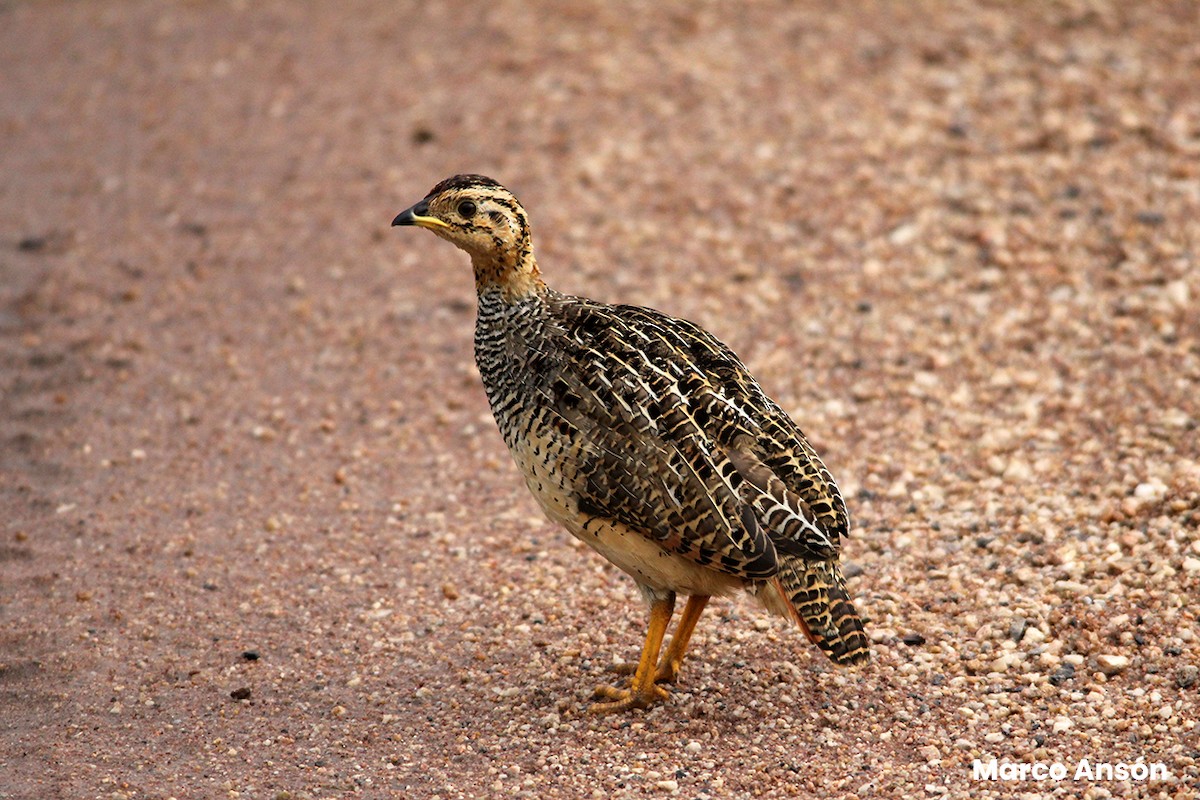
point(419, 215)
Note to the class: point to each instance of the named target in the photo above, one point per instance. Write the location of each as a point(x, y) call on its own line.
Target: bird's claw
point(624, 699)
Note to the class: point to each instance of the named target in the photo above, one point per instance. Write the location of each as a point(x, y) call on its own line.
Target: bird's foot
point(667, 672)
point(618, 700)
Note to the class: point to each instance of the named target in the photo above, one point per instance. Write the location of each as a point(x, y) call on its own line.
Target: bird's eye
point(466, 209)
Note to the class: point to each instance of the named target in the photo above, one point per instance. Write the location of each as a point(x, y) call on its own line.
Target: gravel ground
point(260, 537)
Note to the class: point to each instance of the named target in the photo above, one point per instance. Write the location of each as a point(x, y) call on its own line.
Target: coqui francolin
point(648, 439)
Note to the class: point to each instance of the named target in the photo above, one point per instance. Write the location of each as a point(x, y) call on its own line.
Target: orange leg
point(668, 668)
point(643, 692)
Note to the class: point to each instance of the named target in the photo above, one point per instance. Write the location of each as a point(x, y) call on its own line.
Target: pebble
point(1033, 636)
point(1187, 676)
point(693, 747)
point(1062, 674)
point(1151, 490)
point(1003, 662)
point(1112, 664)
point(668, 786)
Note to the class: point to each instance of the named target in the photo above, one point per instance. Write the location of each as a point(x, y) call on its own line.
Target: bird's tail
point(814, 593)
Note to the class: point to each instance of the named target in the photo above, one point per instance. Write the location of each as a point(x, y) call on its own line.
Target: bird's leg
point(668, 666)
point(643, 692)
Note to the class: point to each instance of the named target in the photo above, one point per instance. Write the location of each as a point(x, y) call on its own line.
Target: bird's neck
point(514, 275)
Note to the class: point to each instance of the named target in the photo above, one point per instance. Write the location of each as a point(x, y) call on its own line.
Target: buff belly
point(630, 551)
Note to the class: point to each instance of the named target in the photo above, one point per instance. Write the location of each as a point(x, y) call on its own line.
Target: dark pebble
point(1063, 674)
point(250, 655)
point(912, 639)
point(1016, 630)
point(1187, 677)
point(1150, 218)
point(241, 694)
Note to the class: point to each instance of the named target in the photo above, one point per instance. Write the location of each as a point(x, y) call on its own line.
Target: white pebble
point(1151, 490)
point(1111, 664)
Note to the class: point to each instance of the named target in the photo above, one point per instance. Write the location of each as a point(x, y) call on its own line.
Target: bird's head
point(486, 221)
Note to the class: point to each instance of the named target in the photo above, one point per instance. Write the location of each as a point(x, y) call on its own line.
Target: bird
point(648, 439)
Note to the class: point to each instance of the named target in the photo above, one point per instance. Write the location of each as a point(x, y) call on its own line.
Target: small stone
point(1191, 564)
point(1186, 677)
point(994, 738)
point(1178, 294)
point(1151, 490)
point(1064, 673)
point(1033, 636)
point(930, 752)
point(1002, 662)
point(1017, 628)
point(1112, 664)
point(668, 786)
point(449, 591)
point(913, 639)
point(1062, 724)
point(242, 693)
point(693, 747)
point(250, 655)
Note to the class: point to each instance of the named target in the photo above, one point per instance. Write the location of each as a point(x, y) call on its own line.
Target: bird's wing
point(797, 501)
point(667, 449)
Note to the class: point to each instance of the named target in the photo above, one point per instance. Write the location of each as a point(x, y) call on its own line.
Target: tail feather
point(816, 597)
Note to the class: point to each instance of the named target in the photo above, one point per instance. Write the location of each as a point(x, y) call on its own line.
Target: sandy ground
point(260, 538)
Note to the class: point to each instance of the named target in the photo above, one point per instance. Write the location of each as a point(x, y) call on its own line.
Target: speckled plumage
point(647, 438)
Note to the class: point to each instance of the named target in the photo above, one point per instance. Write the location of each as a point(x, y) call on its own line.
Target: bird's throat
point(516, 278)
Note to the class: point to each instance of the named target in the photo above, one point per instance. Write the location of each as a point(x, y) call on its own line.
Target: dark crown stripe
point(464, 182)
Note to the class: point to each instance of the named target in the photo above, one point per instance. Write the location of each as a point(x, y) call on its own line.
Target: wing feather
point(677, 441)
